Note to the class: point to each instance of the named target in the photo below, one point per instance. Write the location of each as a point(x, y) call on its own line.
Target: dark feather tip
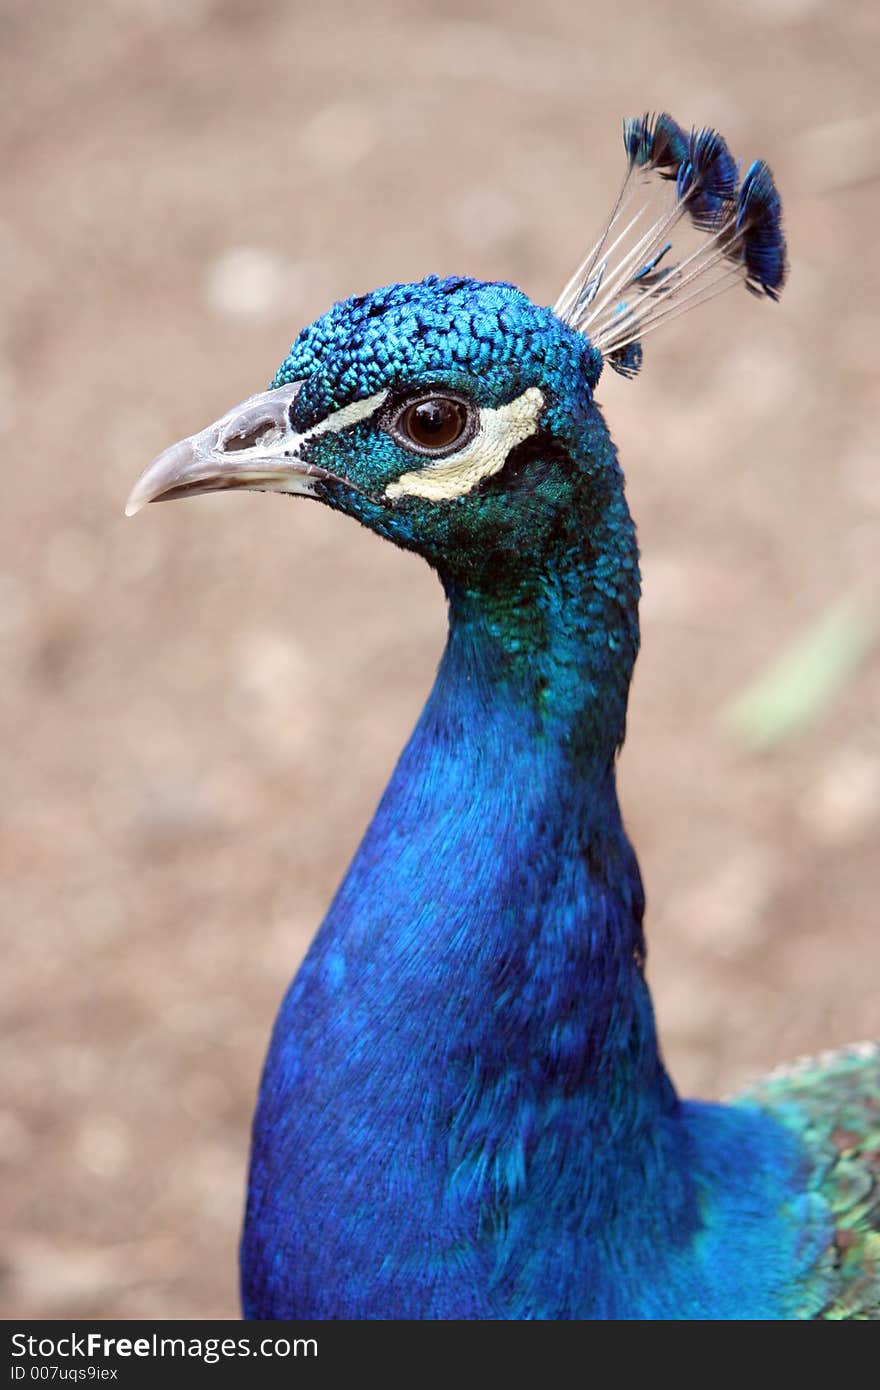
point(707, 178)
point(656, 143)
point(626, 361)
point(637, 138)
point(670, 147)
point(759, 240)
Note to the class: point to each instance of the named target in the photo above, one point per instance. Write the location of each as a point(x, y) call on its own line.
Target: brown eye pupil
point(435, 423)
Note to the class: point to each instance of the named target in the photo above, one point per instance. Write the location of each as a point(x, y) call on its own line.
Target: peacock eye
point(436, 424)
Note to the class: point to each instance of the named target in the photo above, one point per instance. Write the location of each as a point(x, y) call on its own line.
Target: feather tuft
point(637, 276)
point(707, 179)
point(626, 361)
point(657, 143)
point(759, 238)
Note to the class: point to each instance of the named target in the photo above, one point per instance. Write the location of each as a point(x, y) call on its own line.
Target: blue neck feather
point(464, 1112)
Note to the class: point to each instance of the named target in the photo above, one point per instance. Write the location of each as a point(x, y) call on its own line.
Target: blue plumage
point(742, 228)
point(759, 231)
point(657, 143)
point(707, 179)
point(464, 1112)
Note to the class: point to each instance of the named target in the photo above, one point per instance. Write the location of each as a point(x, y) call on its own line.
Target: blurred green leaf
point(800, 684)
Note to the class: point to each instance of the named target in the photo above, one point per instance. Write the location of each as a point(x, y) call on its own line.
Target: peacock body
point(464, 1112)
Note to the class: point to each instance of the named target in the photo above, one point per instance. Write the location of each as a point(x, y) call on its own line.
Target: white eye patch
point(348, 415)
point(501, 429)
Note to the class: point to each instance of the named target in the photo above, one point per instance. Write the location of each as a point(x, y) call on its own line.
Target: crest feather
point(678, 184)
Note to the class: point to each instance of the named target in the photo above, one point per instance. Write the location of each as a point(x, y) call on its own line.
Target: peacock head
point(457, 418)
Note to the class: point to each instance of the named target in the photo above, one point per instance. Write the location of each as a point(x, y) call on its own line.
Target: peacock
point(464, 1112)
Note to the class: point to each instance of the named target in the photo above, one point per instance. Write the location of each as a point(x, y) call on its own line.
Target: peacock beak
point(252, 446)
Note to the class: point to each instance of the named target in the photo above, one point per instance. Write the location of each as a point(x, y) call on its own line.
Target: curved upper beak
point(252, 446)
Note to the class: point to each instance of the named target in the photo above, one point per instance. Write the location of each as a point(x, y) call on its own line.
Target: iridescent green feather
point(833, 1103)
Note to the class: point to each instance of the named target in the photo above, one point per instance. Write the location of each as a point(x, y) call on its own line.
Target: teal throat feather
point(464, 1111)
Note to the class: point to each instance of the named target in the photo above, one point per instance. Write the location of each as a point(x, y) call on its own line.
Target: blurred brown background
point(201, 706)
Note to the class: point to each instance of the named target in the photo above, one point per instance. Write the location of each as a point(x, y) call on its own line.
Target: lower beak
point(253, 446)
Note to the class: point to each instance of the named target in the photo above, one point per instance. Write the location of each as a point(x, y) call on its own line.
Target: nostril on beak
point(260, 435)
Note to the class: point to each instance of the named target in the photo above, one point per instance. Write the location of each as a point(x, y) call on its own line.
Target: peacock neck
point(529, 710)
point(464, 1075)
point(510, 931)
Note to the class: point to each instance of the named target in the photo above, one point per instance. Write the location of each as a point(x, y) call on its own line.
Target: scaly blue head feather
point(480, 520)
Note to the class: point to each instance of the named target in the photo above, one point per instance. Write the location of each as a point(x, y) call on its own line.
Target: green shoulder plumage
point(833, 1103)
